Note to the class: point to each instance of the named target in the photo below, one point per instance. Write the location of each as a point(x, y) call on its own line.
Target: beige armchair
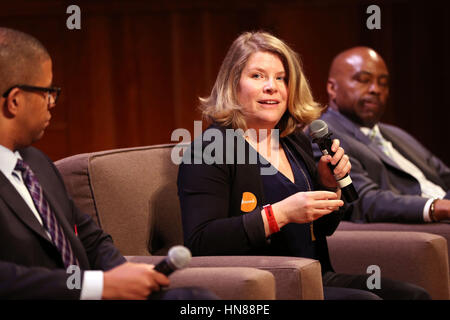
point(132, 194)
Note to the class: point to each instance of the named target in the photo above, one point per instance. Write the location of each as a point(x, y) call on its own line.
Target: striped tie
point(48, 218)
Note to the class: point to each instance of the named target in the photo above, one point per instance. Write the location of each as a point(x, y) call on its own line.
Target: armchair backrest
point(131, 193)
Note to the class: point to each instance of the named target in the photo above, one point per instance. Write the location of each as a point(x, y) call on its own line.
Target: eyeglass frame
point(26, 87)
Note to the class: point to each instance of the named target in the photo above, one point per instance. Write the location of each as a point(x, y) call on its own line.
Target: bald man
point(398, 179)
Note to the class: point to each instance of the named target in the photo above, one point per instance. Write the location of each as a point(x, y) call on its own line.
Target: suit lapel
point(68, 229)
point(51, 196)
point(385, 158)
point(411, 154)
point(17, 205)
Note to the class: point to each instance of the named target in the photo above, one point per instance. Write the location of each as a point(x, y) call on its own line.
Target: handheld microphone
point(320, 135)
point(177, 258)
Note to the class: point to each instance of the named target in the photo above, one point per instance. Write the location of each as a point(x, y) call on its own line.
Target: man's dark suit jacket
point(30, 265)
point(387, 193)
point(211, 194)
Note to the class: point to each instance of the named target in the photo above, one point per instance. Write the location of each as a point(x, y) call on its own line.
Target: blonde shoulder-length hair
point(222, 105)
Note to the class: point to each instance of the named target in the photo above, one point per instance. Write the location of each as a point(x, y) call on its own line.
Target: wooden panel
point(307, 30)
point(135, 70)
point(142, 73)
point(419, 69)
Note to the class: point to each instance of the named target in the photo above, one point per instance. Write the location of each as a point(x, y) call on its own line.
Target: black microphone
point(177, 258)
point(320, 135)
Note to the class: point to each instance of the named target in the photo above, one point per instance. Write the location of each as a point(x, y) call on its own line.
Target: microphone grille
point(179, 256)
point(319, 128)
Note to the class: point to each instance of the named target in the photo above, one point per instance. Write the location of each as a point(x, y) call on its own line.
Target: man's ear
point(12, 102)
point(331, 88)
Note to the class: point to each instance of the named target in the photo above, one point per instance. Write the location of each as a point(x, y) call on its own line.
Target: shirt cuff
point(426, 210)
point(92, 288)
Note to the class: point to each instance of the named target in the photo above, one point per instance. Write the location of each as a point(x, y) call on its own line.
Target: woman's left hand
point(326, 176)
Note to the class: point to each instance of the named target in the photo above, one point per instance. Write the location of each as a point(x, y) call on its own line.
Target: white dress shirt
point(428, 188)
point(92, 286)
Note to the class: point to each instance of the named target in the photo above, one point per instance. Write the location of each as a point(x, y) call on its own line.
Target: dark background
point(135, 70)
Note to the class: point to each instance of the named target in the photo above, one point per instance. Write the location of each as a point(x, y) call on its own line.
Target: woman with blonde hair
point(259, 104)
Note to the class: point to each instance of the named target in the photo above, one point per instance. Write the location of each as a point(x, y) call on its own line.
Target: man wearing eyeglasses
point(50, 94)
point(40, 99)
point(42, 233)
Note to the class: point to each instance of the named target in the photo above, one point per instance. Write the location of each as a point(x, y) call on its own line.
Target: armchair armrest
point(295, 278)
point(416, 257)
point(439, 228)
point(229, 283)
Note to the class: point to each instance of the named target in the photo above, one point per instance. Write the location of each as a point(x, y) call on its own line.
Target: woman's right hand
point(304, 207)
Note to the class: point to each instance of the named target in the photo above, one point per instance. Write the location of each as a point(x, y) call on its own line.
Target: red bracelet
point(273, 225)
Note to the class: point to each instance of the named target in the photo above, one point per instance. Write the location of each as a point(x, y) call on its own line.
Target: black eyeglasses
point(52, 92)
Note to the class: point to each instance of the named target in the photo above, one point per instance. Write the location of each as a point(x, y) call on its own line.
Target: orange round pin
point(248, 202)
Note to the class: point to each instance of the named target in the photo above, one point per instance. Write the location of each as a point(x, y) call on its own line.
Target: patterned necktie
point(376, 137)
point(48, 218)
